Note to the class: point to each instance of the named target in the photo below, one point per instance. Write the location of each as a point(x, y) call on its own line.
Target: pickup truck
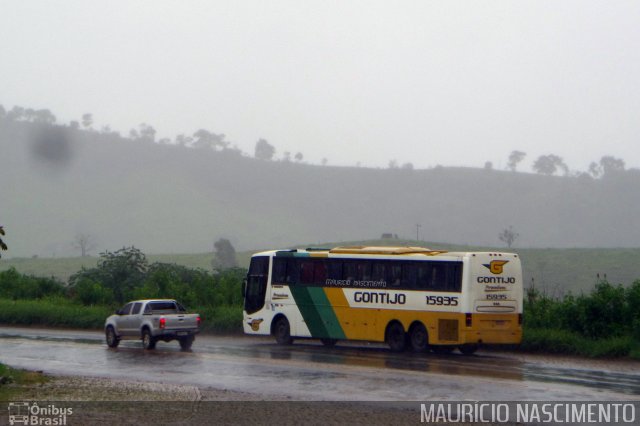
point(150, 321)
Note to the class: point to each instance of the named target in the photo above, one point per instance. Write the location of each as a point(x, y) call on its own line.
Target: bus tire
point(282, 331)
point(419, 338)
point(329, 342)
point(468, 349)
point(396, 337)
point(443, 349)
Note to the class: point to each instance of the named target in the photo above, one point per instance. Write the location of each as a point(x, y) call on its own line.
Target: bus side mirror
point(244, 287)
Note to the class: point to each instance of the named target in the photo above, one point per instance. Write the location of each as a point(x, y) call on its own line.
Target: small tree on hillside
point(84, 243)
point(549, 165)
point(264, 150)
point(508, 236)
point(87, 120)
point(224, 256)
point(3, 246)
point(514, 158)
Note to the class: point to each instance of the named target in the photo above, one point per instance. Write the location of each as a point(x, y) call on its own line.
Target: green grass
point(568, 343)
point(12, 381)
point(57, 312)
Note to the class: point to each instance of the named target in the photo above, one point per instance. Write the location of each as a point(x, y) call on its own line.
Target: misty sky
point(451, 83)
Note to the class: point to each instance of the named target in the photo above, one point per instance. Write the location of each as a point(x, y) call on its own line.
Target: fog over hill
point(58, 182)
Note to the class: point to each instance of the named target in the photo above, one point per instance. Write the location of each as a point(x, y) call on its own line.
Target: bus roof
point(391, 251)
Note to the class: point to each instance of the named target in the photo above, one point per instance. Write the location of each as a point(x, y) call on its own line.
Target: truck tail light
point(468, 320)
point(163, 322)
point(198, 321)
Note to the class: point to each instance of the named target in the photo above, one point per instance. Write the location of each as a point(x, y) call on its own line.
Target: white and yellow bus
point(404, 296)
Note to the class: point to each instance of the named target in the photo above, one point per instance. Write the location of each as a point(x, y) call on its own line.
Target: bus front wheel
point(282, 331)
point(396, 338)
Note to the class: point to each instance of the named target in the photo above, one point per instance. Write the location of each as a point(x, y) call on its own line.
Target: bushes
point(121, 276)
point(603, 323)
point(52, 312)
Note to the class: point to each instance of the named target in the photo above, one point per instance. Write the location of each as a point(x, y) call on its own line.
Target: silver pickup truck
point(150, 321)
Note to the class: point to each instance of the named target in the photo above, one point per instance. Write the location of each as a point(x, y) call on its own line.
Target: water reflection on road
point(308, 370)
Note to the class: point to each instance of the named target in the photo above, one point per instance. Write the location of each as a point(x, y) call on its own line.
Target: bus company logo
point(26, 413)
point(496, 266)
point(255, 324)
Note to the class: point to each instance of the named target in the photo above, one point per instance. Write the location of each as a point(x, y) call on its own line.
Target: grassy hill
point(58, 182)
point(553, 271)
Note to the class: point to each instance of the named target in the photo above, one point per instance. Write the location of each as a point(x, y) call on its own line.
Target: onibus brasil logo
point(27, 413)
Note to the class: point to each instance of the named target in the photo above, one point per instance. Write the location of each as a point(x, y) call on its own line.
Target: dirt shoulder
point(99, 400)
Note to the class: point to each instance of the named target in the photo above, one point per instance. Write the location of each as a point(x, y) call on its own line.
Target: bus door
point(256, 289)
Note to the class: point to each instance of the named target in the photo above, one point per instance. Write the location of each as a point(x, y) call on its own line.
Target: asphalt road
point(308, 371)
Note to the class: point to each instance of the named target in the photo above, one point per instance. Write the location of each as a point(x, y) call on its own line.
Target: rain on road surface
point(308, 371)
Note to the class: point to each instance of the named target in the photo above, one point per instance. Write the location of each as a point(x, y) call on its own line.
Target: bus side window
point(306, 271)
point(279, 272)
point(363, 270)
point(394, 274)
point(335, 269)
point(349, 271)
point(320, 272)
point(378, 271)
point(423, 280)
point(292, 272)
point(408, 275)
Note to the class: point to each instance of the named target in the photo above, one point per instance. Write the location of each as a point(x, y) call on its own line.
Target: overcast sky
point(450, 83)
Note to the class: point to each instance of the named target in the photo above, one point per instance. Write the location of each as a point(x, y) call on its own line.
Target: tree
point(147, 132)
point(488, 165)
point(549, 165)
point(508, 236)
point(3, 246)
point(514, 158)
point(393, 164)
point(611, 165)
point(407, 166)
point(264, 150)
point(324, 161)
point(84, 243)
point(183, 140)
point(3, 112)
point(87, 120)
point(121, 272)
point(286, 156)
point(298, 157)
point(205, 139)
point(43, 116)
point(224, 256)
point(16, 113)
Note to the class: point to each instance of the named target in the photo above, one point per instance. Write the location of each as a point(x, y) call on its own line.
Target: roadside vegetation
point(13, 381)
point(92, 294)
point(604, 322)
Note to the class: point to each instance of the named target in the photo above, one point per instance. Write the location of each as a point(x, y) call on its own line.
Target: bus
point(407, 297)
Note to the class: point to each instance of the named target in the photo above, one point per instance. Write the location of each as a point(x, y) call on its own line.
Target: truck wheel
point(282, 331)
point(148, 341)
point(112, 339)
point(186, 342)
point(396, 338)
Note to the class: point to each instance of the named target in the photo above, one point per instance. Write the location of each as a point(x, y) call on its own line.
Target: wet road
point(309, 371)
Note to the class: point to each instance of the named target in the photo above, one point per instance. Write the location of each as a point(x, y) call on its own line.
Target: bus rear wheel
point(396, 337)
point(419, 338)
point(468, 349)
point(282, 331)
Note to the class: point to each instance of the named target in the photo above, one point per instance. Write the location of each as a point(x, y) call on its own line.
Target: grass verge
point(14, 381)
